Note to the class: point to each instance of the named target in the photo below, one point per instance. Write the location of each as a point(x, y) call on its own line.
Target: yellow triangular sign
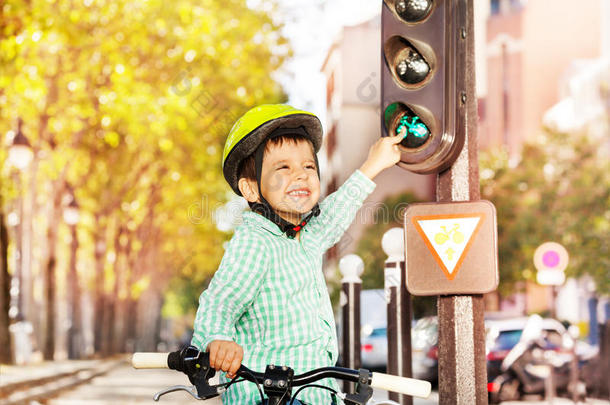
point(448, 237)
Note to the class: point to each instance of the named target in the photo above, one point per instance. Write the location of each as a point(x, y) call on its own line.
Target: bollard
point(351, 267)
point(399, 310)
point(593, 323)
point(604, 358)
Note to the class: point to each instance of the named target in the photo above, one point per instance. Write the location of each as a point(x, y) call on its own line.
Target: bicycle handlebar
point(149, 360)
point(402, 385)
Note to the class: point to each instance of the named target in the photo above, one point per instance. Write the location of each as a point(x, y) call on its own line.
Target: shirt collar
point(253, 219)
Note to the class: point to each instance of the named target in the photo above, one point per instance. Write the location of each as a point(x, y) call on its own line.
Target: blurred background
point(113, 115)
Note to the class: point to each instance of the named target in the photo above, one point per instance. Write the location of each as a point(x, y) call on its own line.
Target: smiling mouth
point(299, 193)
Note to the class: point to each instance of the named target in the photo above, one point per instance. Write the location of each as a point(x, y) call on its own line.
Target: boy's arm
point(233, 287)
point(338, 210)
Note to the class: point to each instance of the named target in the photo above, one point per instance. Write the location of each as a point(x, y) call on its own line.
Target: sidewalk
point(10, 374)
point(25, 383)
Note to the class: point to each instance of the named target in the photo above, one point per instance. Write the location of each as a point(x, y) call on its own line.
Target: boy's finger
point(235, 366)
point(226, 362)
point(213, 354)
point(220, 355)
point(402, 132)
point(397, 138)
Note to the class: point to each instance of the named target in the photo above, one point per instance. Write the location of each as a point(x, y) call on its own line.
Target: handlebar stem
point(277, 382)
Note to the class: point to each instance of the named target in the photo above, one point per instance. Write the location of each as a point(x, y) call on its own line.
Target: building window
point(330, 89)
point(495, 7)
point(505, 6)
point(516, 5)
point(331, 142)
point(505, 94)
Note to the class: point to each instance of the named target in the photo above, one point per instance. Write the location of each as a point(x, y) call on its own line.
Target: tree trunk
point(98, 305)
point(149, 317)
point(75, 333)
point(5, 280)
point(114, 304)
point(108, 330)
point(130, 318)
point(48, 350)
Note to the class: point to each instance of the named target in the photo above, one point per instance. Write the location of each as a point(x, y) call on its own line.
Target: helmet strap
point(264, 208)
point(290, 229)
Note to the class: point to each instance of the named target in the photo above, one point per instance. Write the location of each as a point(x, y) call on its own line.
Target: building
point(544, 67)
point(529, 46)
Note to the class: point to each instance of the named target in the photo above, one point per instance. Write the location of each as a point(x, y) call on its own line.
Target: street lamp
point(20, 152)
point(20, 155)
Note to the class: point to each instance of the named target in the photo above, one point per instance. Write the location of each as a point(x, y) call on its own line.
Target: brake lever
point(208, 391)
point(191, 390)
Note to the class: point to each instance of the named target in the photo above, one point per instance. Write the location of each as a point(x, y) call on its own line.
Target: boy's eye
point(282, 167)
point(312, 167)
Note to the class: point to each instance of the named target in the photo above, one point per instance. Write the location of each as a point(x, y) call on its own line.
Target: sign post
point(462, 363)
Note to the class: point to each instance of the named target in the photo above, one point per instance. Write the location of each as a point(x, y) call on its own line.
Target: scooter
point(531, 368)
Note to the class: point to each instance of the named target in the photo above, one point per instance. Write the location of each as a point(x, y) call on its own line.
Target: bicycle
point(277, 381)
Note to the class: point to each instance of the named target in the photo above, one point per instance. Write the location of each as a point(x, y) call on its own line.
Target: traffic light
point(423, 80)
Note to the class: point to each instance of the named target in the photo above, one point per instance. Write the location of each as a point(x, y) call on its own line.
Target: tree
point(558, 191)
point(129, 103)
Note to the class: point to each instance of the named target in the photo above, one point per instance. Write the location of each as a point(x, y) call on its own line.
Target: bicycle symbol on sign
point(454, 234)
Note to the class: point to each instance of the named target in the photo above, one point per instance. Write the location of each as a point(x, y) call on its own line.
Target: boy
point(268, 302)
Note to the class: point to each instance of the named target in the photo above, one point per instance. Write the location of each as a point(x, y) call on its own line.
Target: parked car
point(374, 347)
point(373, 321)
point(424, 349)
point(424, 358)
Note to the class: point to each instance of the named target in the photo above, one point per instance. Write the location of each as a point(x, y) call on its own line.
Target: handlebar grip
point(401, 385)
point(149, 360)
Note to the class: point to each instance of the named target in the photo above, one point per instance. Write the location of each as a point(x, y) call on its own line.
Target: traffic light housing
point(423, 65)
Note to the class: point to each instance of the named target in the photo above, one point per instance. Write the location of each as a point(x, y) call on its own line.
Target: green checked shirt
point(269, 295)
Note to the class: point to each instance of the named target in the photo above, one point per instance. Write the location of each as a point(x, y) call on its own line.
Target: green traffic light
point(417, 133)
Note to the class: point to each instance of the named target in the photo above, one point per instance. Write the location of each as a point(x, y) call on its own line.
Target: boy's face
point(289, 179)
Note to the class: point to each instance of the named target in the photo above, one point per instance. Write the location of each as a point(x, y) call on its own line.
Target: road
point(125, 386)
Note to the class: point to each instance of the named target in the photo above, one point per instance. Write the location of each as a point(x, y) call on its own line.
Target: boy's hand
point(225, 355)
point(383, 154)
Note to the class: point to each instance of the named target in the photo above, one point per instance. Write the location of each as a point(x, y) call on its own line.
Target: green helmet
point(253, 128)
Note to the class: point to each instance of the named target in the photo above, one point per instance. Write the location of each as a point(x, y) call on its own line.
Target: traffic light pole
point(462, 364)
